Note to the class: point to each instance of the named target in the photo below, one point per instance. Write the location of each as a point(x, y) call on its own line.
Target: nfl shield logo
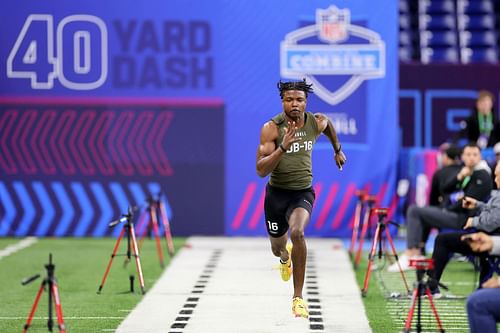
point(332, 24)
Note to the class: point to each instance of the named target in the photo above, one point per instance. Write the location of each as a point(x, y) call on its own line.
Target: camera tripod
point(151, 217)
point(361, 195)
point(53, 293)
point(128, 227)
point(421, 288)
point(370, 201)
point(378, 240)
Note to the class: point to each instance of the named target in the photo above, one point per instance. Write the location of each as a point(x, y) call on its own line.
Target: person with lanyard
point(472, 181)
point(284, 153)
point(482, 127)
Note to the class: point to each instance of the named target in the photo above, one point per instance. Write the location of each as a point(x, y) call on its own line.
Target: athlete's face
point(294, 103)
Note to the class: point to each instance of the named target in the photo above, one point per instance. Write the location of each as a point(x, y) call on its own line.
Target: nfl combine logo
point(332, 24)
point(335, 54)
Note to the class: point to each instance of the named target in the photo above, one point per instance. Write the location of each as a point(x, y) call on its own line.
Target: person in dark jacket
point(482, 127)
point(469, 182)
point(450, 166)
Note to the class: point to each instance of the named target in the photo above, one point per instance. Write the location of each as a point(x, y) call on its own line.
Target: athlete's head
point(294, 97)
point(294, 85)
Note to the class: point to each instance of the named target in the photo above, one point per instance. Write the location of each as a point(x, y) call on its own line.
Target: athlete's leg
point(278, 246)
point(298, 221)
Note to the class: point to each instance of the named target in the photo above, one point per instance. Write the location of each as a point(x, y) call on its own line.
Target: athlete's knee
point(297, 234)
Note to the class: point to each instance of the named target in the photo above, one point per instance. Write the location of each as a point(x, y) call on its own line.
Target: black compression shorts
point(279, 205)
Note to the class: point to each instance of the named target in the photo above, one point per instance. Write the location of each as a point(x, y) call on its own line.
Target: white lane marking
point(13, 248)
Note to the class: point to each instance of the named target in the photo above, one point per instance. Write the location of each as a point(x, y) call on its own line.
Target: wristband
point(337, 150)
point(282, 148)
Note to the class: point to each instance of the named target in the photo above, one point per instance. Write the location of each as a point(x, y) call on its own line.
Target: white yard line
point(227, 284)
point(13, 248)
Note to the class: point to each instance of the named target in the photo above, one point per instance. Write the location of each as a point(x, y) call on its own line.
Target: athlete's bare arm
point(326, 127)
point(268, 155)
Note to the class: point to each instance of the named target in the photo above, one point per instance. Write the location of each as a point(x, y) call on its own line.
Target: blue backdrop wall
point(104, 103)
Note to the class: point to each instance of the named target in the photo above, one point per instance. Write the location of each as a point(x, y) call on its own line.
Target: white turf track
point(219, 285)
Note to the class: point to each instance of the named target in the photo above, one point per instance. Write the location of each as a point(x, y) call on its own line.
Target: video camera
point(422, 264)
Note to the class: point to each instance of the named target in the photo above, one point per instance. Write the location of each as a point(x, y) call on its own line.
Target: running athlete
point(285, 152)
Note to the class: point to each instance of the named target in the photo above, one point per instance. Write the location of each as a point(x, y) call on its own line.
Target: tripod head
point(371, 200)
point(361, 195)
point(380, 212)
point(127, 218)
point(50, 272)
point(423, 266)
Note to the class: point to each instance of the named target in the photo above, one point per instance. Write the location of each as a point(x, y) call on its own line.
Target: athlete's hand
point(289, 137)
point(340, 159)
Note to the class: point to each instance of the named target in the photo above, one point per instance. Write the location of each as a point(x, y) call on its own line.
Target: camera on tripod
point(422, 264)
point(380, 212)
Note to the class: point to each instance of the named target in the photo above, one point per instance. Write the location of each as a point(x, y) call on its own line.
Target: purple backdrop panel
point(71, 165)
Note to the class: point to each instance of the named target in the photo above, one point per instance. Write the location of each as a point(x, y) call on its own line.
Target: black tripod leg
point(50, 322)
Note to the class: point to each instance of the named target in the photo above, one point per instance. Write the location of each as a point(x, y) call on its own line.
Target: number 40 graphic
point(78, 58)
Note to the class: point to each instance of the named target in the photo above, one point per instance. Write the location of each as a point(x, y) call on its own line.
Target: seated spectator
point(450, 167)
point(482, 127)
point(496, 150)
point(483, 305)
point(470, 182)
point(449, 158)
point(487, 220)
